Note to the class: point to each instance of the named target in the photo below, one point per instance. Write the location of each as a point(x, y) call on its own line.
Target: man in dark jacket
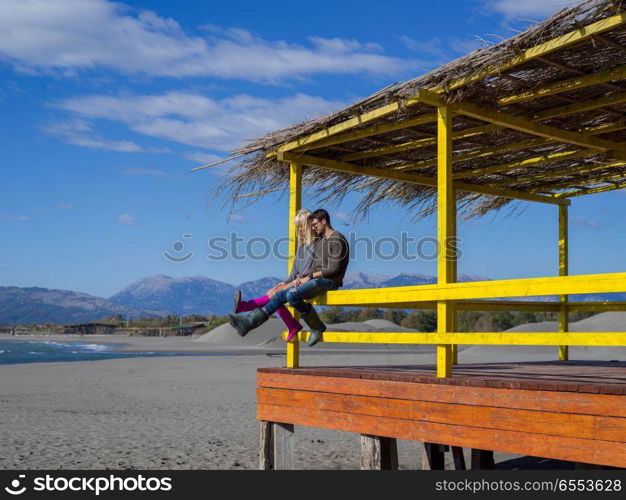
point(330, 260)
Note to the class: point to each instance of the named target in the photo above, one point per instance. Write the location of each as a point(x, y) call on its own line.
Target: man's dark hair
point(320, 214)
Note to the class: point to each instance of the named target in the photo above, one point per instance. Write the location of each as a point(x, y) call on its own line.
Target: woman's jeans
point(296, 296)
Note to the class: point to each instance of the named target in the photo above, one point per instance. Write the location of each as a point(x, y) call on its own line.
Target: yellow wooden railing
point(448, 296)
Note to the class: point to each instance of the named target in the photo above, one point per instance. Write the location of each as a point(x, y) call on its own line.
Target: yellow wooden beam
point(504, 305)
point(579, 107)
point(350, 168)
point(475, 305)
point(595, 190)
point(479, 153)
point(529, 162)
point(613, 178)
point(370, 131)
point(526, 287)
point(562, 42)
point(569, 109)
point(419, 143)
point(421, 180)
point(522, 125)
point(462, 134)
point(295, 204)
point(574, 83)
point(597, 306)
point(608, 339)
point(344, 126)
point(515, 146)
point(558, 172)
point(605, 128)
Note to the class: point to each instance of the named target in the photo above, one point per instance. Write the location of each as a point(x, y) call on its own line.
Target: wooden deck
point(573, 410)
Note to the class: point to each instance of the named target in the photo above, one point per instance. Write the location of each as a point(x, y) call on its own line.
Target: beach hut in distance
point(538, 118)
point(90, 329)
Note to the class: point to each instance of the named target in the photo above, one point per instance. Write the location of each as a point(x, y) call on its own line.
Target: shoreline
point(190, 345)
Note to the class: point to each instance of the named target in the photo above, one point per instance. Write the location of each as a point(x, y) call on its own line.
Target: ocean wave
point(71, 346)
point(97, 347)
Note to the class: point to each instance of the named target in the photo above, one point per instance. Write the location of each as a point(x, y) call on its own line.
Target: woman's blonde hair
point(301, 220)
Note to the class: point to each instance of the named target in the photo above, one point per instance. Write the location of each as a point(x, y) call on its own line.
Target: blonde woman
point(301, 264)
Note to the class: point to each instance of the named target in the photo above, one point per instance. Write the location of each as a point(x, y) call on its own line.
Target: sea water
point(26, 351)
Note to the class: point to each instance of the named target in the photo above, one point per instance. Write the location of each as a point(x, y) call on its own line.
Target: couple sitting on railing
point(320, 264)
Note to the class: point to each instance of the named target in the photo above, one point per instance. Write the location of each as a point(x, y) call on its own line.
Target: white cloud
point(72, 35)
point(126, 219)
point(537, 8)
point(80, 133)
point(66, 206)
point(14, 217)
point(197, 120)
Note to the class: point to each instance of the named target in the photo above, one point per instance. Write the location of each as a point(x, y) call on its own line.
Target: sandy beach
point(184, 412)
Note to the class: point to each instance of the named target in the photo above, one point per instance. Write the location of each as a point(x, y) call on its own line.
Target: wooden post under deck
point(276, 446)
point(266, 446)
point(378, 453)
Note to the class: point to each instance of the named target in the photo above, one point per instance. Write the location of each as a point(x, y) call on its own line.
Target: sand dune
point(268, 337)
point(603, 322)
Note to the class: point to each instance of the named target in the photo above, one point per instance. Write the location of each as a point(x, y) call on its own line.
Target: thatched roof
point(489, 146)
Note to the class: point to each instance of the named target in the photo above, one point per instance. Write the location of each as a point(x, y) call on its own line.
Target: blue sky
point(107, 106)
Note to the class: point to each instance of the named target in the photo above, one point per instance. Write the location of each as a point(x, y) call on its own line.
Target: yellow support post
point(446, 222)
point(295, 202)
point(563, 271)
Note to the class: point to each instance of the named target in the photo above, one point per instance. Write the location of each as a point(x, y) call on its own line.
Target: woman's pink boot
point(293, 326)
point(248, 305)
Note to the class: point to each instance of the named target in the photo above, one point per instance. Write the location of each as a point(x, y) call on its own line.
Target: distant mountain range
point(160, 295)
point(44, 305)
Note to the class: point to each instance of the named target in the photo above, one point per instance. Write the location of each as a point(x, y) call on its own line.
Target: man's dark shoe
point(243, 324)
point(237, 299)
point(316, 325)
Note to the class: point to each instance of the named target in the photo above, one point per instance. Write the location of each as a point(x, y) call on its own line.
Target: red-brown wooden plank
point(572, 376)
point(537, 422)
point(557, 447)
point(576, 403)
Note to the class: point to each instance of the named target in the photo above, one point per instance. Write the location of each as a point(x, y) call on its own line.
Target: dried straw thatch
point(257, 174)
